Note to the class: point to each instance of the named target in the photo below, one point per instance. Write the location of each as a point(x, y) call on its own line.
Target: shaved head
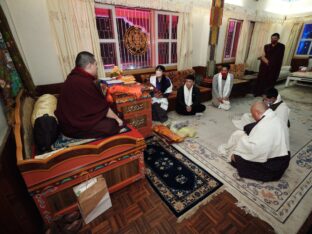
point(257, 109)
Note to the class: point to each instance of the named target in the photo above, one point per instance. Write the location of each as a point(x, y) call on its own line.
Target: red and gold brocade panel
point(137, 112)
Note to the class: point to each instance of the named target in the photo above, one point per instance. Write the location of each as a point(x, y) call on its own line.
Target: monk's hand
point(120, 122)
point(188, 108)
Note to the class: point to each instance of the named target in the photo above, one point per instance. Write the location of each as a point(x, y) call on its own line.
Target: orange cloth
point(167, 133)
point(133, 90)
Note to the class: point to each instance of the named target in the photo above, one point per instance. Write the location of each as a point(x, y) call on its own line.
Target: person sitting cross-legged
point(162, 87)
point(82, 110)
point(222, 84)
point(188, 98)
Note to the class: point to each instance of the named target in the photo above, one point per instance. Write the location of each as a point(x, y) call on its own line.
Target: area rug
point(181, 183)
point(284, 204)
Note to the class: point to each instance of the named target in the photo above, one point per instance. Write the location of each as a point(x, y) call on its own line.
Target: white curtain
point(291, 43)
point(242, 45)
point(74, 28)
point(200, 20)
point(258, 40)
point(184, 44)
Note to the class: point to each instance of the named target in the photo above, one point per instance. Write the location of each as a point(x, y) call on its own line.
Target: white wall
point(29, 22)
point(287, 8)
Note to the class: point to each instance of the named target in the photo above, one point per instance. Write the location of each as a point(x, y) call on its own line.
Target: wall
point(29, 23)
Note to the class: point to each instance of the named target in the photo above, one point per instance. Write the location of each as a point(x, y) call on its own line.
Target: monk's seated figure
point(261, 152)
point(82, 110)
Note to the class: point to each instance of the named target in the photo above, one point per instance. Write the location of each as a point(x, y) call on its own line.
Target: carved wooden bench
point(50, 181)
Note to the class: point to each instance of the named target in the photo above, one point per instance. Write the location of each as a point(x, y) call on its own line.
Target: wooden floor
point(138, 209)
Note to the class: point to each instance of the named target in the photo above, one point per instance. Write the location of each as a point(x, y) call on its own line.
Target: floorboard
point(138, 209)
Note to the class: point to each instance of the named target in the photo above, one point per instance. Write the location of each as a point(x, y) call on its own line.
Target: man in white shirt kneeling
point(263, 152)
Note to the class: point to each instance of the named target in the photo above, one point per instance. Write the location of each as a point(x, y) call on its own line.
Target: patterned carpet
point(284, 204)
point(180, 183)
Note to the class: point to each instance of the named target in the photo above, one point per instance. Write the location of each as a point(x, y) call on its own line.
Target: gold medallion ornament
point(135, 40)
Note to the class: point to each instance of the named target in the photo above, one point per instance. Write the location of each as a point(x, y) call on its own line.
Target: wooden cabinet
point(137, 112)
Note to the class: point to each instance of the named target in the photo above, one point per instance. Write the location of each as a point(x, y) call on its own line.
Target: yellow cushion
point(46, 104)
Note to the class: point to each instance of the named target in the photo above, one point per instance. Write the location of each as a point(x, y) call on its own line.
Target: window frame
point(298, 43)
point(154, 39)
point(170, 40)
point(231, 59)
point(115, 40)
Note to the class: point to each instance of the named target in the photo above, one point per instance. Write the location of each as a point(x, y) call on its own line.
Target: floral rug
point(284, 204)
point(181, 183)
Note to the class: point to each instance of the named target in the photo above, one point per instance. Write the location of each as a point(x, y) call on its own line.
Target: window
point(304, 47)
point(134, 38)
point(166, 38)
point(233, 31)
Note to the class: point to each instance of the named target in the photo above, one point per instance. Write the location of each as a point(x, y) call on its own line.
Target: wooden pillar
point(215, 23)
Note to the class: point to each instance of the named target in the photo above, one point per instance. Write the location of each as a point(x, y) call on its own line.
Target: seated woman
point(188, 98)
point(82, 109)
point(162, 88)
point(222, 84)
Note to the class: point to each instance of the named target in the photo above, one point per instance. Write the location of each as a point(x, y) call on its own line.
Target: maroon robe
point(268, 74)
point(81, 109)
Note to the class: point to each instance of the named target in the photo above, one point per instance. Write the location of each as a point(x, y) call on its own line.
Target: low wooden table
point(137, 111)
point(299, 76)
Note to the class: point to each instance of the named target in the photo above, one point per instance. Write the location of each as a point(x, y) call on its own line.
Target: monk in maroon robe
point(270, 67)
point(82, 110)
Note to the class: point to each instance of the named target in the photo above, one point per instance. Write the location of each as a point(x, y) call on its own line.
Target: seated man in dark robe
point(264, 153)
point(188, 98)
point(82, 110)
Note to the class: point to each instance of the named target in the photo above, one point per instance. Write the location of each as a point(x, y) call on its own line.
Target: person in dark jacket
point(188, 98)
point(162, 87)
point(270, 66)
point(82, 110)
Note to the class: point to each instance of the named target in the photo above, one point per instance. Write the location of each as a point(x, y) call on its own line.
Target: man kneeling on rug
point(188, 98)
point(263, 152)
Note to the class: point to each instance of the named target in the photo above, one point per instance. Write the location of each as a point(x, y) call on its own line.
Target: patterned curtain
point(10, 81)
point(13, 61)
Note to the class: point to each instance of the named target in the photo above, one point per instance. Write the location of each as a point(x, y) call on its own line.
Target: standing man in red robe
point(270, 67)
point(82, 110)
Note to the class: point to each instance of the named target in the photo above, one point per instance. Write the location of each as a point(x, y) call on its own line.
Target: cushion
point(45, 104)
point(44, 122)
point(45, 133)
